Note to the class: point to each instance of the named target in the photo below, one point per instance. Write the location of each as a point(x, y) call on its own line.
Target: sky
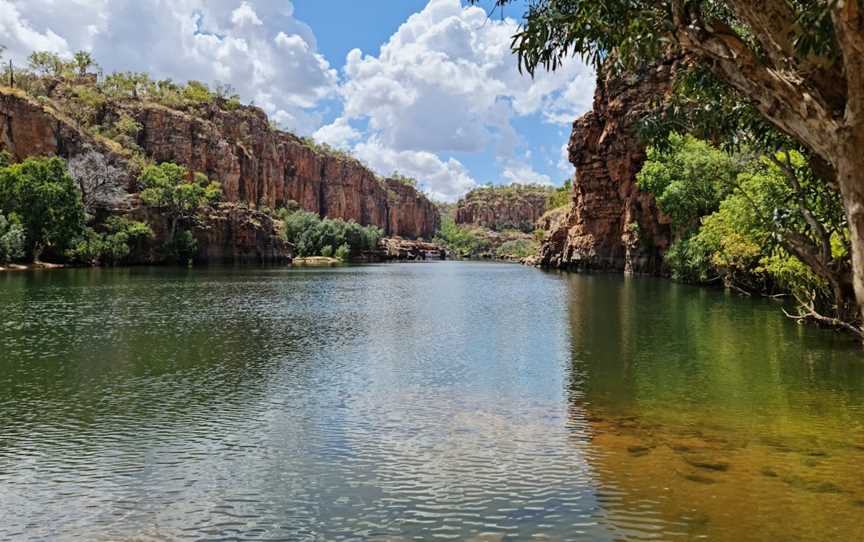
point(426, 88)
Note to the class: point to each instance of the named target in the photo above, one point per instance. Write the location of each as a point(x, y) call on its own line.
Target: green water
point(462, 401)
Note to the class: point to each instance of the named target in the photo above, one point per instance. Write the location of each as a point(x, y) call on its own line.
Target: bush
point(312, 235)
point(460, 240)
point(12, 240)
point(343, 252)
point(111, 247)
point(517, 249)
point(44, 197)
point(561, 197)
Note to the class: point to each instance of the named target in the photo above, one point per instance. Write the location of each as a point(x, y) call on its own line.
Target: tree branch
point(782, 96)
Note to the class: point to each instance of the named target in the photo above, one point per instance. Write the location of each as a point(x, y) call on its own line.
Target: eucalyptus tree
point(798, 63)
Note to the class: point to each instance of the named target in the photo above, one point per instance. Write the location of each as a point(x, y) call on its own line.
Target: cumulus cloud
point(447, 82)
point(441, 179)
point(260, 48)
point(521, 172)
point(339, 134)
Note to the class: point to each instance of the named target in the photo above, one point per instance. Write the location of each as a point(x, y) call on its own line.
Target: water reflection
point(454, 400)
point(706, 415)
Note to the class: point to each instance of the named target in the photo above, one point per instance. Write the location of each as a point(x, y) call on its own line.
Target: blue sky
point(424, 87)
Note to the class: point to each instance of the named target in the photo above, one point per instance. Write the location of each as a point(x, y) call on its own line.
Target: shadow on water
point(705, 414)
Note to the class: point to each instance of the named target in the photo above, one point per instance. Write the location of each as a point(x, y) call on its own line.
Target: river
point(464, 401)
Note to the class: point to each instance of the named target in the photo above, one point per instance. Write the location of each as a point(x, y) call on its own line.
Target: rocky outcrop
point(226, 233)
point(396, 248)
point(255, 164)
point(612, 225)
point(503, 207)
point(268, 168)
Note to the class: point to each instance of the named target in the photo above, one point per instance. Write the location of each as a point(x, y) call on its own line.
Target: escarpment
point(612, 225)
point(258, 167)
point(503, 207)
point(269, 168)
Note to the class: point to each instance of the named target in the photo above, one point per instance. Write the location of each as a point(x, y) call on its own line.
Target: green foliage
point(343, 252)
point(12, 239)
point(465, 242)
point(47, 63)
point(166, 186)
point(110, 247)
point(83, 61)
point(44, 197)
point(689, 179)
point(642, 30)
point(561, 197)
point(748, 222)
point(127, 126)
point(517, 249)
point(197, 93)
point(183, 246)
point(312, 235)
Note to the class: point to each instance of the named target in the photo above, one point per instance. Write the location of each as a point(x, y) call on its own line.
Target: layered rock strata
point(612, 225)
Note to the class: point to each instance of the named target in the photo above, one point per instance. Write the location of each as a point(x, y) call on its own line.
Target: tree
point(689, 179)
point(757, 222)
point(99, 182)
point(799, 63)
point(167, 186)
point(83, 61)
point(43, 195)
point(47, 63)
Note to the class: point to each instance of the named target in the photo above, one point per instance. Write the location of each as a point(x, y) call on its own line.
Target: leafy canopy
point(42, 194)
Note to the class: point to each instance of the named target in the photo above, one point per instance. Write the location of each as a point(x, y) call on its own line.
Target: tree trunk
point(850, 173)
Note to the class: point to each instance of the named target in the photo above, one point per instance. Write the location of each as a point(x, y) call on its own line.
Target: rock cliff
point(258, 167)
point(611, 224)
point(503, 207)
point(228, 233)
point(268, 168)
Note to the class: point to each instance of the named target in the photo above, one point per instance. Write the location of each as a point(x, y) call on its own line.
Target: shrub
point(343, 252)
point(44, 196)
point(312, 235)
point(12, 239)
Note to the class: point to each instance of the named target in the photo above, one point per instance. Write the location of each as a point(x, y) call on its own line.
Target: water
point(456, 401)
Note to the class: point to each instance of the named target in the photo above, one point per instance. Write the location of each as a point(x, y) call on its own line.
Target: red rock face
point(519, 209)
point(254, 164)
point(264, 167)
point(612, 225)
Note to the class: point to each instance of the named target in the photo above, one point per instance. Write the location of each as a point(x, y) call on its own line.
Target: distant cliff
point(268, 168)
point(612, 225)
point(259, 168)
point(501, 208)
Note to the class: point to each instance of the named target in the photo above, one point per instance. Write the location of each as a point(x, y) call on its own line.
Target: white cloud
point(441, 179)
point(259, 48)
point(339, 134)
point(447, 81)
point(520, 172)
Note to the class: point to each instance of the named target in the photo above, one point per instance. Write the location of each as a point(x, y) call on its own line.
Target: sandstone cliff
point(268, 168)
point(503, 207)
point(612, 225)
point(256, 165)
point(228, 233)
